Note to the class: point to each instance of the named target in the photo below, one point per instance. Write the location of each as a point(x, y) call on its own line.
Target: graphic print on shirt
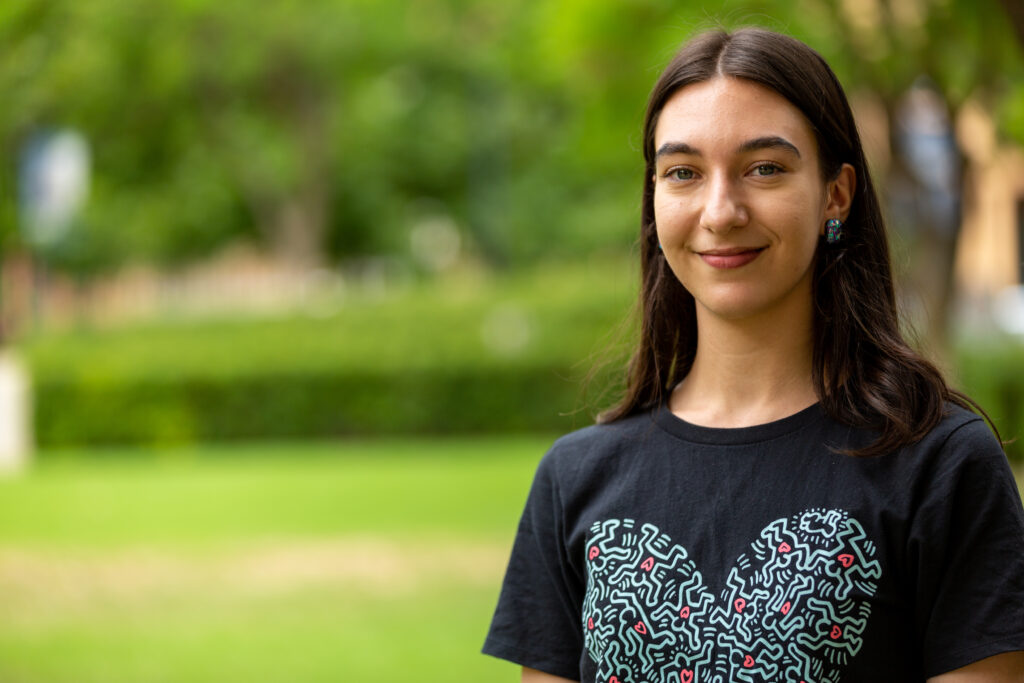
point(794, 608)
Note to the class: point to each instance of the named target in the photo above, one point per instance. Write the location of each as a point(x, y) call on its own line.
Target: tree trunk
point(1015, 13)
point(927, 211)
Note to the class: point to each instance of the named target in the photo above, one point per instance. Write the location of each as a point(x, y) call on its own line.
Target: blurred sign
point(53, 184)
point(926, 138)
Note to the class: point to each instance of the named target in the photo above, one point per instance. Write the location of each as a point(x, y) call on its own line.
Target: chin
point(733, 305)
point(740, 300)
point(729, 311)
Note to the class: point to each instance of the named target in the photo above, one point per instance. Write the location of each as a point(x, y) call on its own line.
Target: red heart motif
point(640, 628)
point(613, 679)
point(685, 676)
point(590, 623)
point(836, 633)
point(785, 608)
point(845, 559)
point(594, 552)
point(685, 612)
point(648, 564)
point(739, 604)
point(748, 661)
point(784, 547)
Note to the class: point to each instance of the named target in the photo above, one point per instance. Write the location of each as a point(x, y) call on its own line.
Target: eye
point(765, 170)
point(681, 173)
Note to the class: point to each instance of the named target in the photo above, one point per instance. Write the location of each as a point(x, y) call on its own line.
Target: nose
point(723, 205)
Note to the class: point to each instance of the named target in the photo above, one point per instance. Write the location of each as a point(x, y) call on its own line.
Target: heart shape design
point(794, 606)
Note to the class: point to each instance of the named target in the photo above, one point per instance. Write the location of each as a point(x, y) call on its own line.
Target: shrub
point(495, 355)
point(992, 373)
point(507, 355)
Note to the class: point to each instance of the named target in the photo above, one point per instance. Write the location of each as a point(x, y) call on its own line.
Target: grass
point(229, 493)
point(352, 561)
point(363, 561)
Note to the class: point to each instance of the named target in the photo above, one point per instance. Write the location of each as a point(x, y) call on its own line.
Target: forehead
point(728, 111)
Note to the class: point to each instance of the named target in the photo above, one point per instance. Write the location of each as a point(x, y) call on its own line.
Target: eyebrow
point(767, 142)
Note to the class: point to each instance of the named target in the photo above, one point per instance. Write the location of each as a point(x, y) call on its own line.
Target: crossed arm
point(1003, 668)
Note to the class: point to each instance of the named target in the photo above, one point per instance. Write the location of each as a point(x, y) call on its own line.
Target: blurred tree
point(923, 61)
point(325, 129)
point(334, 128)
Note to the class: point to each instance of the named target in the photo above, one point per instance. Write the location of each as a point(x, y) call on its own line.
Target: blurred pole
point(15, 414)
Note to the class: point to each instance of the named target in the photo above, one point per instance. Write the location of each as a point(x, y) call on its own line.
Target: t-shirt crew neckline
point(725, 436)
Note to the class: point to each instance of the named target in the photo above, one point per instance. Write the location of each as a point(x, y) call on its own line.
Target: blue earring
point(834, 230)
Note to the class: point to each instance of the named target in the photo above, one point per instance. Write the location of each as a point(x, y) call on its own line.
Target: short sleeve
point(968, 541)
point(537, 620)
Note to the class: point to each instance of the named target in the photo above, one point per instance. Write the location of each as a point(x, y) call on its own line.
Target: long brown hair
point(864, 372)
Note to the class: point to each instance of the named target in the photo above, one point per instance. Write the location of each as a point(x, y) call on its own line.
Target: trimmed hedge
point(417, 363)
point(422, 362)
point(350, 402)
point(363, 401)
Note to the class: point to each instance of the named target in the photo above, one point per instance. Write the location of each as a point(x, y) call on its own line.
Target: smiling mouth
point(733, 257)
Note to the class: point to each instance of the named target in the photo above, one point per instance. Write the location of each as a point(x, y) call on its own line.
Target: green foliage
point(428, 360)
point(520, 120)
point(990, 373)
point(467, 355)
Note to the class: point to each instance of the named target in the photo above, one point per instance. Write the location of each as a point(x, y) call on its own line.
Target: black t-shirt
point(653, 550)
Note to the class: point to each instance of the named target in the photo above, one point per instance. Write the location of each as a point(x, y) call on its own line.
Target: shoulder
point(608, 435)
point(963, 546)
point(960, 462)
point(597, 447)
point(961, 437)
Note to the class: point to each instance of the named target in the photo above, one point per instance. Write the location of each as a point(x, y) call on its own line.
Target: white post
point(15, 414)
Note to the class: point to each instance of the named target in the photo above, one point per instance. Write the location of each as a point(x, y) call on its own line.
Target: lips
point(733, 257)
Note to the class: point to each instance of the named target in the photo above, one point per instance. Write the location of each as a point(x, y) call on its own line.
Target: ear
point(840, 193)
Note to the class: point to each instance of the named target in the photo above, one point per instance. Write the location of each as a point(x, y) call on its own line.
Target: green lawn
point(375, 561)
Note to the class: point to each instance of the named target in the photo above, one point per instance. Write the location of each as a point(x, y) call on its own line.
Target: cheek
point(797, 217)
point(661, 219)
point(671, 217)
point(801, 242)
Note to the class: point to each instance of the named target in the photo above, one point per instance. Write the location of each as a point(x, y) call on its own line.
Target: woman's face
point(739, 199)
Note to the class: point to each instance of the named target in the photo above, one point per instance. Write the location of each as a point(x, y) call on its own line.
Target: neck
point(749, 371)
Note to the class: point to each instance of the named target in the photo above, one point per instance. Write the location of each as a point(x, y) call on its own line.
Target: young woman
point(787, 491)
